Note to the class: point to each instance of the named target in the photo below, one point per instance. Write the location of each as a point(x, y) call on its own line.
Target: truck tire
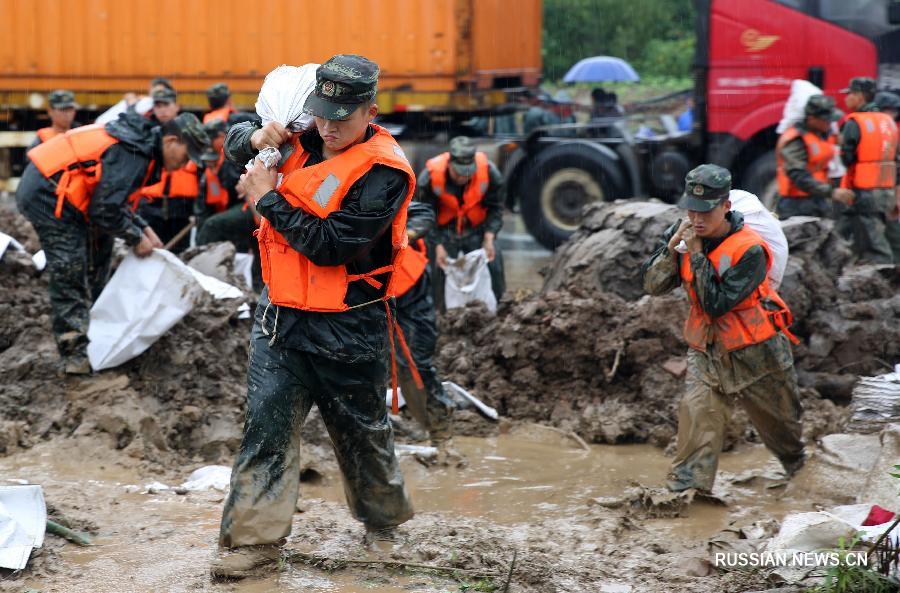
point(759, 179)
point(560, 182)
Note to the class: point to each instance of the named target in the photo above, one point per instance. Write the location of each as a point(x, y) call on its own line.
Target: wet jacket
point(735, 370)
point(448, 235)
point(357, 235)
point(798, 174)
point(123, 167)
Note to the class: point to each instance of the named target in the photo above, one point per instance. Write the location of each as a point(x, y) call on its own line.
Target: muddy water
point(163, 542)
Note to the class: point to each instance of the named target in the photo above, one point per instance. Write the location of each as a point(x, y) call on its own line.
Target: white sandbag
point(281, 99)
point(468, 280)
point(143, 105)
point(794, 108)
point(808, 532)
point(209, 477)
point(876, 402)
point(23, 519)
point(479, 405)
point(758, 218)
point(143, 299)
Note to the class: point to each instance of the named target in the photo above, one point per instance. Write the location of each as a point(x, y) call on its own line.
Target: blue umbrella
point(601, 69)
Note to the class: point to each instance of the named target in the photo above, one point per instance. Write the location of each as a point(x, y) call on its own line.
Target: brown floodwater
point(163, 542)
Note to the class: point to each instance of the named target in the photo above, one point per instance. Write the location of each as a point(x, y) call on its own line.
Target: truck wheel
point(559, 184)
point(759, 179)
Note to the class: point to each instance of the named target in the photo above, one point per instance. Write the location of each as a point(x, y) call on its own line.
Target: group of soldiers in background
point(862, 193)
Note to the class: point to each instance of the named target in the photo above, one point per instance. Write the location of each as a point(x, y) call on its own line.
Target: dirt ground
point(584, 356)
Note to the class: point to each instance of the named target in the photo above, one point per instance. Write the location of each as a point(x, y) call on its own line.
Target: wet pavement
point(523, 257)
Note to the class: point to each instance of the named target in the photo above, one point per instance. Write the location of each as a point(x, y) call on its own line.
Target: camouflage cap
point(887, 100)
point(861, 84)
point(822, 107)
point(705, 187)
point(209, 156)
point(462, 156)
point(219, 90)
point(214, 127)
point(61, 99)
point(342, 83)
point(164, 95)
point(191, 132)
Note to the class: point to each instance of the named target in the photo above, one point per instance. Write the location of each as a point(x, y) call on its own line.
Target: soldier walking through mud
point(737, 333)
point(75, 193)
point(329, 238)
point(466, 191)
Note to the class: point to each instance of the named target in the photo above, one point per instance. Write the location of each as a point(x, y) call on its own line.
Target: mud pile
point(593, 355)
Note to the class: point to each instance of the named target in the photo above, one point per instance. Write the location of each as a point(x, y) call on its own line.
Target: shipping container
point(434, 54)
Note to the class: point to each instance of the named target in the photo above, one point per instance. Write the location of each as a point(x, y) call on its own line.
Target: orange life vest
point(76, 154)
point(875, 166)
point(46, 133)
point(449, 209)
point(216, 195)
point(819, 153)
point(411, 267)
point(220, 113)
point(754, 320)
point(180, 183)
point(293, 280)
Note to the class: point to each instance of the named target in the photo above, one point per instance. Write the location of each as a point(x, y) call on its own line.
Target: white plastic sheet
point(243, 268)
point(479, 405)
point(209, 477)
point(143, 299)
point(39, 259)
point(468, 280)
point(23, 519)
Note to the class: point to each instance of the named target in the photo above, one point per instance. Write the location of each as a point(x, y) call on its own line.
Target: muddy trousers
point(418, 321)
point(78, 262)
point(773, 405)
point(864, 224)
point(282, 385)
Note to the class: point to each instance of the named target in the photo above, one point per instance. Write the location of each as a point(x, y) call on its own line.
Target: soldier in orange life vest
point(219, 97)
point(803, 153)
point(889, 103)
point(737, 333)
point(417, 317)
point(466, 191)
point(330, 238)
point(869, 151)
point(221, 213)
point(75, 192)
point(166, 200)
point(61, 111)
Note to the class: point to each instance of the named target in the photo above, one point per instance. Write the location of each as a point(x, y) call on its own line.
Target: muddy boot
point(381, 539)
point(238, 563)
point(77, 364)
point(792, 466)
point(447, 455)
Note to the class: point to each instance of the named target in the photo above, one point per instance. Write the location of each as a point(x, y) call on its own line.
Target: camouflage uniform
point(796, 162)
point(78, 252)
point(418, 321)
point(339, 361)
point(864, 221)
point(471, 238)
point(760, 377)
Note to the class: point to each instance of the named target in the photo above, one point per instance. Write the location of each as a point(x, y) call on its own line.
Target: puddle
point(164, 542)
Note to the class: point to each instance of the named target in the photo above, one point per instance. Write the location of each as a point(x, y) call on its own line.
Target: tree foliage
point(655, 36)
